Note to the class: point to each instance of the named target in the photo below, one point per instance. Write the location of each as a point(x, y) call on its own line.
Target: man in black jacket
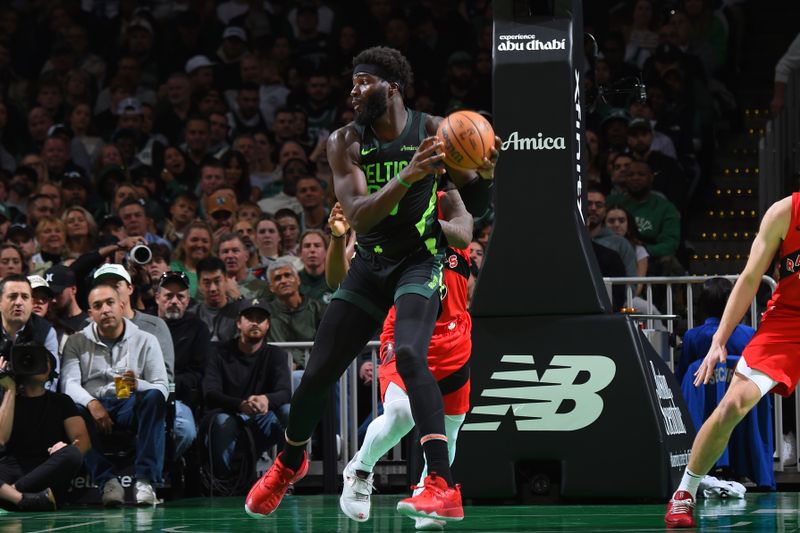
point(19, 324)
point(248, 384)
point(193, 348)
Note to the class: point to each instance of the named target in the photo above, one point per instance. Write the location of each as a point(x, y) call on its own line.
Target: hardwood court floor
point(320, 514)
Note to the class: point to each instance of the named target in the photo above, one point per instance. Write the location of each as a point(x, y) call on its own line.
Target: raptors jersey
point(786, 298)
point(775, 348)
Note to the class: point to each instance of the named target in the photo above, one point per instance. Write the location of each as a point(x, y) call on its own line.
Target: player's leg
point(452, 424)
point(416, 317)
point(414, 325)
point(383, 434)
point(740, 398)
point(747, 387)
point(344, 330)
point(387, 430)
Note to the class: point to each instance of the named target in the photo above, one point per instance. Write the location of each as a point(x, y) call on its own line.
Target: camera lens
point(141, 254)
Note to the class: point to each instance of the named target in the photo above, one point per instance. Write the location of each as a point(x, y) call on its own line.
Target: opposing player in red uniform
point(448, 360)
point(770, 362)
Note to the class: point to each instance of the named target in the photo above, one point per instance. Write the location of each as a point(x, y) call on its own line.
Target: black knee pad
point(409, 365)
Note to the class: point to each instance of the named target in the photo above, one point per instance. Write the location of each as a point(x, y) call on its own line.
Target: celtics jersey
point(412, 225)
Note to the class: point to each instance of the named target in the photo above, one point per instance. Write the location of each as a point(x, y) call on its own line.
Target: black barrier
point(585, 392)
point(563, 392)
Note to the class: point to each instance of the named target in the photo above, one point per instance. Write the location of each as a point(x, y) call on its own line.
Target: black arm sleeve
point(477, 196)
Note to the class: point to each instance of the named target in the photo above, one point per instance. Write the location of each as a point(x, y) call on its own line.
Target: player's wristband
point(401, 182)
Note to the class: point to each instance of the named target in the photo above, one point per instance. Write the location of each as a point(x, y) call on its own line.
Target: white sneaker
point(113, 493)
point(713, 488)
point(356, 492)
point(145, 494)
point(429, 524)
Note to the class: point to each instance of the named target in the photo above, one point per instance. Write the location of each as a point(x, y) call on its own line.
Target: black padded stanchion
point(561, 387)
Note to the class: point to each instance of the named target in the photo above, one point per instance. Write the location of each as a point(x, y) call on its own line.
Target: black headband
point(376, 70)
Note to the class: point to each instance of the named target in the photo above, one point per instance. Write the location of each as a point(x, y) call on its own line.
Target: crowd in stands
point(199, 130)
point(164, 202)
point(660, 95)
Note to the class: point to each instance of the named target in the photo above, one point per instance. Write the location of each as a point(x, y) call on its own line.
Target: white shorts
point(762, 381)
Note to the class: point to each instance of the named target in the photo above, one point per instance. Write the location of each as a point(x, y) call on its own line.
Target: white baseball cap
point(235, 31)
point(196, 62)
point(112, 269)
point(38, 282)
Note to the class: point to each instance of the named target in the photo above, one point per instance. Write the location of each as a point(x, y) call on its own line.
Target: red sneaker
point(268, 491)
point(680, 511)
point(437, 500)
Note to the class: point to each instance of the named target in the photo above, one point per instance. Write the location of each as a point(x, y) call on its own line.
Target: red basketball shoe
point(680, 511)
point(268, 491)
point(437, 500)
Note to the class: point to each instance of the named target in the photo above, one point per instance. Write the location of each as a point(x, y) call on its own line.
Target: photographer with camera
point(135, 222)
point(19, 324)
point(109, 247)
point(43, 436)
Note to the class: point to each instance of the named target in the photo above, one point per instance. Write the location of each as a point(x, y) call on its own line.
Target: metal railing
point(668, 314)
point(348, 406)
point(778, 157)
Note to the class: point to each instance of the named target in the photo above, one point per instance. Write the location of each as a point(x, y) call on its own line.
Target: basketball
point(467, 138)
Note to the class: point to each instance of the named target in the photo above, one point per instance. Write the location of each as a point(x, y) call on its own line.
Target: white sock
point(387, 430)
point(690, 482)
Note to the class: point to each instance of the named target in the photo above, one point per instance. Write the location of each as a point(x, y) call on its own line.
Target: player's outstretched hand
point(717, 353)
point(428, 159)
point(337, 222)
point(486, 171)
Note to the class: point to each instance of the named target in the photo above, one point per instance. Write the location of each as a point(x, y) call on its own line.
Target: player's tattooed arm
point(362, 209)
point(457, 223)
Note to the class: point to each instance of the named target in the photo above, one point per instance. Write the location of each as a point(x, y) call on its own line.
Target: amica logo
point(540, 142)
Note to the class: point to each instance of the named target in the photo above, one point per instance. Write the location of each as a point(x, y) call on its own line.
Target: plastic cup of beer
point(122, 387)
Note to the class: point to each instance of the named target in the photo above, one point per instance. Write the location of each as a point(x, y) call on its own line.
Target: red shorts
point(775, 351)
point(447, 353)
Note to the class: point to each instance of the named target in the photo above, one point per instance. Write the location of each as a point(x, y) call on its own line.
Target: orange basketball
point(467, 138)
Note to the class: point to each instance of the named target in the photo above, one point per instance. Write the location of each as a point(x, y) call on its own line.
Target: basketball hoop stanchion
point(566, 396)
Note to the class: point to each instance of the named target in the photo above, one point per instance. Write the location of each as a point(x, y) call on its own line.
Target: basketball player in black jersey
point(387, 166)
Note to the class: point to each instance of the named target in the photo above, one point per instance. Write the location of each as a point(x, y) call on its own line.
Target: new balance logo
point(559, 401)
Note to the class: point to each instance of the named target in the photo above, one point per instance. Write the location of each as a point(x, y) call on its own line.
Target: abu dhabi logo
point(540, 142)
point(564, 398)
point(529, 43)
